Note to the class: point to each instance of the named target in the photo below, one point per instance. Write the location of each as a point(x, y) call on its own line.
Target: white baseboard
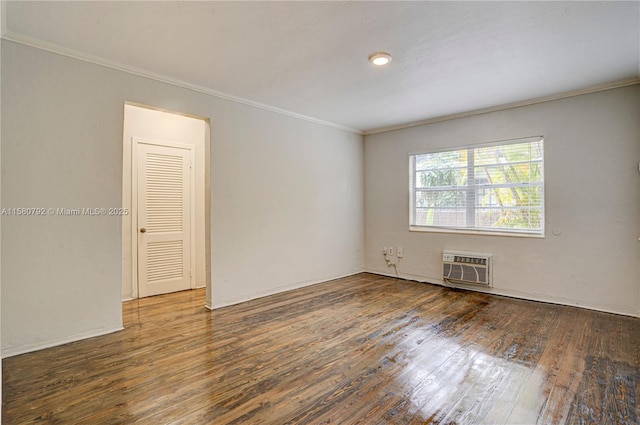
point(28, 348)
point(515, 294)
point(273, 291)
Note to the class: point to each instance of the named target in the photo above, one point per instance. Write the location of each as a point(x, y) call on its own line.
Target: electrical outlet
point(390, 250)
point(400, 252)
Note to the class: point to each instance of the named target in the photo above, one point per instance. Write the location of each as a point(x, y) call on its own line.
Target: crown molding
point(564, 95)
point(64, 51)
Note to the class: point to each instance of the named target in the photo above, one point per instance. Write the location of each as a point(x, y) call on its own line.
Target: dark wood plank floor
point(360, 350)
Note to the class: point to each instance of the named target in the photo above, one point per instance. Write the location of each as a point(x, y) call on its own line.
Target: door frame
point(135, 142)
point(129, 291)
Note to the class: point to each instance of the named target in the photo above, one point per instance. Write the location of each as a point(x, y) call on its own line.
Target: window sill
point(475, 232)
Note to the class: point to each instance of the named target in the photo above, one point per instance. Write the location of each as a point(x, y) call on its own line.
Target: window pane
point(488, 188)
point(440, 160)
point(507, 173)
point(440, 198)
point(498, 218)
point(440, 217)
point(519, 152)
point(439, 178)
point(509, 196)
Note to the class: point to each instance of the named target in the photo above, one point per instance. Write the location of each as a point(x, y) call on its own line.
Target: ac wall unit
point(466, 268)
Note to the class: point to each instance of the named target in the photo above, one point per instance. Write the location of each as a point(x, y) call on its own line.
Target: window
point(497, 188)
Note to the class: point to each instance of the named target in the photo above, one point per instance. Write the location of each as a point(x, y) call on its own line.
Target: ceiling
point(310, 58)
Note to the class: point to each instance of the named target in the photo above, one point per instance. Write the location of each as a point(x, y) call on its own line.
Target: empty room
point(312, 212)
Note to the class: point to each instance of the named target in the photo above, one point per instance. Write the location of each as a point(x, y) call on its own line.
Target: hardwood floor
point(360, 350)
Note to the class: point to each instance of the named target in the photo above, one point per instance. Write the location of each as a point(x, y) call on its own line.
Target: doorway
point(166, 235)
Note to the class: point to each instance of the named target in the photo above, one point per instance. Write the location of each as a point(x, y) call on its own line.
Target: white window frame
point(470, 191)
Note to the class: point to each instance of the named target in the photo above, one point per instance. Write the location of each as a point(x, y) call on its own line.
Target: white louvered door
point(164, 219)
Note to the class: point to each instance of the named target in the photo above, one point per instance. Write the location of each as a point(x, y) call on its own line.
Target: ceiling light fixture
point(380, 58)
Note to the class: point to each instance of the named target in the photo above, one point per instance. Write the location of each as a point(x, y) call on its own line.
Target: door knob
point(143, 230)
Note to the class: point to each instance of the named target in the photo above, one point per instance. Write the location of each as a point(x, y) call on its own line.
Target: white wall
point(2, 29)
point(287, 210)
point(159, 125)
point(592, 150)
point(286, 196)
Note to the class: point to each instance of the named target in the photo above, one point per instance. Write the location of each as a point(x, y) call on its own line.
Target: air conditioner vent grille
point(466, 268)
